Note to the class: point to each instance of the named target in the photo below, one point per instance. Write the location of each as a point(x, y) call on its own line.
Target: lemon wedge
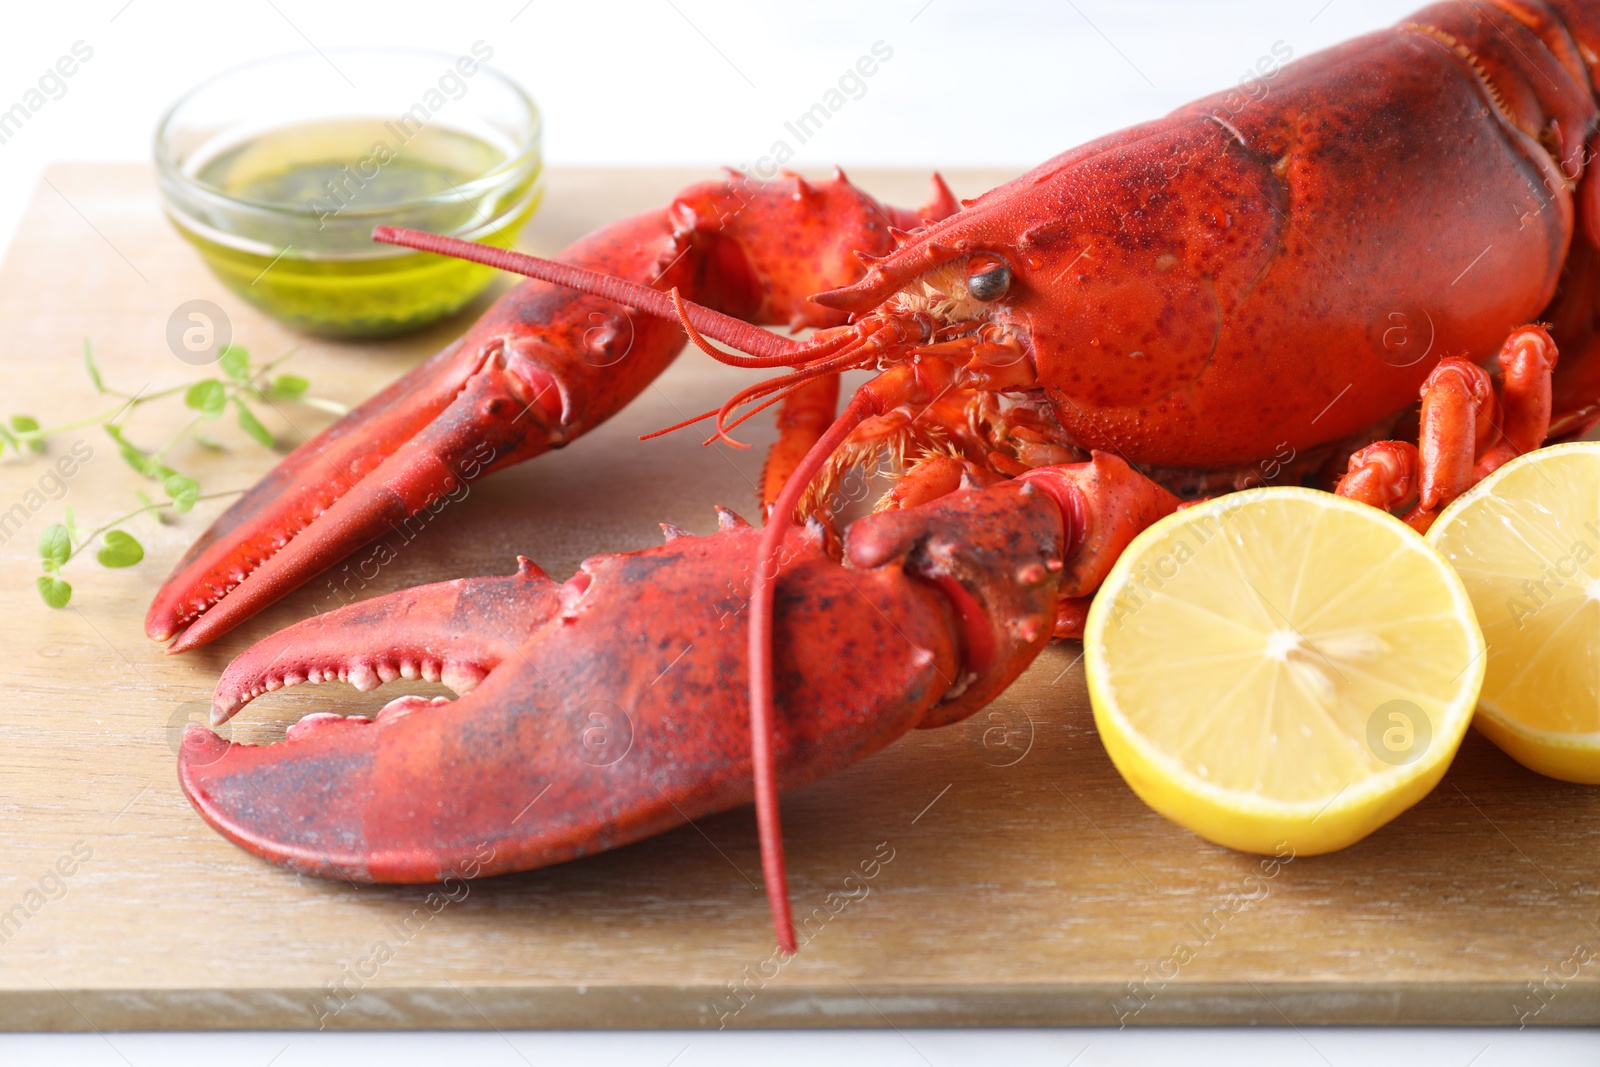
point(1282, 668)
point(1525, 541)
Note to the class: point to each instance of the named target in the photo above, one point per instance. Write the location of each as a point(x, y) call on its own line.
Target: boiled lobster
point(1231, 294)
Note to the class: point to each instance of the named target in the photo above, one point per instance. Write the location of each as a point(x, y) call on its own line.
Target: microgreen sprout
point(240, 386)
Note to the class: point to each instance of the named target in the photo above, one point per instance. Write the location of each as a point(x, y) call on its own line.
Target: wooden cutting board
point(1027, 884)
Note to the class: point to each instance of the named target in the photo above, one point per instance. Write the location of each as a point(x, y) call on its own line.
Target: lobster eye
point(988, 278)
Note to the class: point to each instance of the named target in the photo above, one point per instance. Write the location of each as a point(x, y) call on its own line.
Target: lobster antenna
point(777, 397)
point(763, 582)
point(765, 348)
point(804, 352)
point(783, 384)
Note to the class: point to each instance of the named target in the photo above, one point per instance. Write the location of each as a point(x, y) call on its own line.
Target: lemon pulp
point(1526, 541)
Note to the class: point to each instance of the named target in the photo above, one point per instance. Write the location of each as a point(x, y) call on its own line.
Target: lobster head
point(1013, 282)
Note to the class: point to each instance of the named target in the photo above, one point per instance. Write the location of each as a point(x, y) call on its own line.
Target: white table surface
point(712, 81)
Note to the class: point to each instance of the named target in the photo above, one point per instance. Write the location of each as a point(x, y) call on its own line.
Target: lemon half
point(1282, 668)
point(1526, 541)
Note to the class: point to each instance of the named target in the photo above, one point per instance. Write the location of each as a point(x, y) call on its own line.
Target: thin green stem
point(274, 362)
point(175, 438)
point(27, 436)
point(255, 387)
point(88, 539)
point(142, 398)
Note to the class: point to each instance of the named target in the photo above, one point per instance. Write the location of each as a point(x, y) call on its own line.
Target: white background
point(712, 82)
point(691, 81)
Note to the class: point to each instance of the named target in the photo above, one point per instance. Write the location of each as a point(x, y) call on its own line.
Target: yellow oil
point(292, 232)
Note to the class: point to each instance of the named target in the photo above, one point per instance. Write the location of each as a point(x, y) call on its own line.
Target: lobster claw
point(611, 707)
point(452, 419)
point(543, 366)
point(414, 633)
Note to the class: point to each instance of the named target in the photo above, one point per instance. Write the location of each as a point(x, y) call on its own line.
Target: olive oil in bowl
point(283, 212)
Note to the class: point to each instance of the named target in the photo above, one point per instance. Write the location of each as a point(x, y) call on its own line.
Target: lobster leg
point(1109, 504)
point(1527, 366)
point(1383, 475)
point(929, 442)
point(802, 419)
point(1457, 419)
point(541, 367)
point(1470, 427)
point(931, 478)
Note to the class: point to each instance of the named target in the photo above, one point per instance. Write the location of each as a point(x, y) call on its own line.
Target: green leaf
point(137, 459)
point(55, 546)
point(235, 362)
point(207, 442)
point(287, 387)
point(6, 436)
point(119, 550)
point(131, 454)
point(25, 424)
point(54, 591)
point(252, 425)
point(207, 397)
point(71, 524)
point(88, 364)
point(183, 490)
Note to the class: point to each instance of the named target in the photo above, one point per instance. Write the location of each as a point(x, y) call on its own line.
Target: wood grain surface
point(1027, 884)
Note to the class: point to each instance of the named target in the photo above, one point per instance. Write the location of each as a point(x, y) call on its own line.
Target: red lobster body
point(1270, 280)
point(1198, 289)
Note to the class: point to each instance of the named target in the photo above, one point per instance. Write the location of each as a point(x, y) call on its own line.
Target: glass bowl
point(278, 170)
